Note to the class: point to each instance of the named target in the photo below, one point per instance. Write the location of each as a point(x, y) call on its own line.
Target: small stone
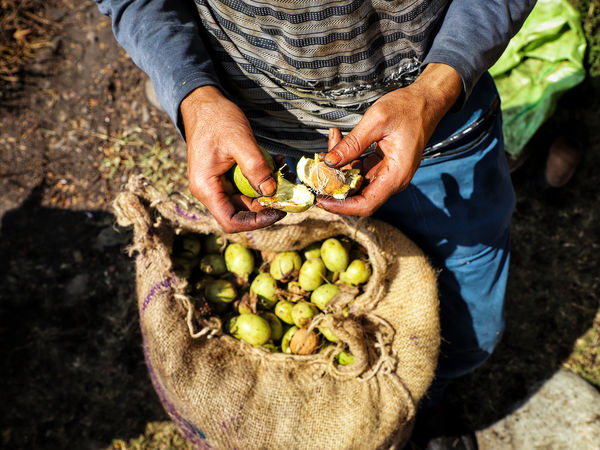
point(77, 286)
point(91, 37)
point(77, 256)
point(145, 114)
point(109, 237)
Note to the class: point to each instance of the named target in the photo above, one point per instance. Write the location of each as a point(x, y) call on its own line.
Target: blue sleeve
point(162, 37)
point(474, 34)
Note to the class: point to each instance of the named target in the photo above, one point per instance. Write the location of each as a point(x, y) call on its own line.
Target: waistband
point(455, 130)
point(474, 118)
point(471, 133)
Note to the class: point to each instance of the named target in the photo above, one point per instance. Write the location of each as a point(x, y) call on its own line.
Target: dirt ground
point(71, 134)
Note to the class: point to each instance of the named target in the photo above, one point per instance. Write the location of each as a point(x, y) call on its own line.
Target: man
point(404, 79)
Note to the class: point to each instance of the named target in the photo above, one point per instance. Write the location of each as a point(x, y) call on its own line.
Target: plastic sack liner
point(542, 61)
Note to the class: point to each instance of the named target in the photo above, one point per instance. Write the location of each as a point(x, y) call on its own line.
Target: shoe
point(151, 96)
point(439, 429)
point(466, 441)
point(563, 158)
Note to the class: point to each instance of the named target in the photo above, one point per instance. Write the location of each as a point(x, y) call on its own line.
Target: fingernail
point(268, 187)
point(333, 158)
point(330, 133)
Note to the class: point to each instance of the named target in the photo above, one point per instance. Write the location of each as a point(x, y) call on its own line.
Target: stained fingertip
point(275, 213)
point(327, 202)
point(248, 221)
point(332, 159)
point(269, 216)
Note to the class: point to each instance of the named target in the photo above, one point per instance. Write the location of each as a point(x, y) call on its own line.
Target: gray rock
point(563, 413)
point(109, 237)
point(77, 286)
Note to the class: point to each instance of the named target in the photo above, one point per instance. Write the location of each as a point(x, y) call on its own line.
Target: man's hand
point(400, 123)
point(218, 135)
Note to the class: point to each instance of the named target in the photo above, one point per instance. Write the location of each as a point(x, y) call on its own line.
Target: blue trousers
point(458, 209)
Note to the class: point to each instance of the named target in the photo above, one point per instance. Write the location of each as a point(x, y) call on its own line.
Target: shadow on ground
point(554, 281)
point(72, 368)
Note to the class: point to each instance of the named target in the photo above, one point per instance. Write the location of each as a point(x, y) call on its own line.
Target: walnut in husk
point(325, 180)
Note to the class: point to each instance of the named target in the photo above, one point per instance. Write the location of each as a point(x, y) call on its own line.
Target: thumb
point(354, 144)
point(335, 136)
point(257, 167)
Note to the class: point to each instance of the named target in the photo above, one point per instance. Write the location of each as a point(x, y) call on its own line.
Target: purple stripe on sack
point(415, 339)
point(250, 239)
point(191, 432)
point(162, 285)
point(185, 214)
point(233, 420)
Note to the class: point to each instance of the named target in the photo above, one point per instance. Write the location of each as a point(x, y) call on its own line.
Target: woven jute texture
point(225, 394)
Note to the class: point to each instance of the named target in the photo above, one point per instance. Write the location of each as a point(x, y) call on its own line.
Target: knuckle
point(194, 188)
point(402, 180)
point(255, 167)
point(227, 228)
point(352, 144)
point(403, 185)
point(377, 114)
point(197, 187)
point(226, 224)
point(369, 211)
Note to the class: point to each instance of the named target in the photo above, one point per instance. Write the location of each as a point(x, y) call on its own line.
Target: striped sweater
point(297, 67)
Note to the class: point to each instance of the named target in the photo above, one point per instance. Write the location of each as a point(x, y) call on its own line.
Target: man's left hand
point(400, 123)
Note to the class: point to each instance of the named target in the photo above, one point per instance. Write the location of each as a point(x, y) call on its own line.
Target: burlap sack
point(224, 394)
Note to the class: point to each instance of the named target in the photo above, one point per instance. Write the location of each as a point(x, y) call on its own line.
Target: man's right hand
point(218, 136)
